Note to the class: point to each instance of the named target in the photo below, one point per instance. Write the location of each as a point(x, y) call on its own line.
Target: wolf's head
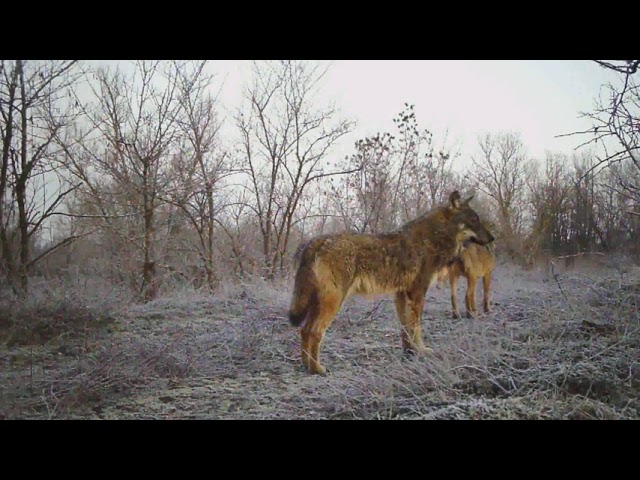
point(470, 227)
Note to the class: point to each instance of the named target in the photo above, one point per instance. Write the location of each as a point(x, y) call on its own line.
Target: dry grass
point(561, 348)
point(56, 310)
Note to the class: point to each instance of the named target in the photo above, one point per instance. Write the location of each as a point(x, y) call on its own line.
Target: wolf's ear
point(466, 202)
point(454, 198)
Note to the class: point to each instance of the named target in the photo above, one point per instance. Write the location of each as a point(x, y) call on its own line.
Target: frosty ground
point(557, 345)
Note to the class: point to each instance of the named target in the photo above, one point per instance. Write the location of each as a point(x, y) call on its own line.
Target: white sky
point(538, 98)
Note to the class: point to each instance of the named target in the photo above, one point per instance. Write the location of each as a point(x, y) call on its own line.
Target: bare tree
point(364, 199)
point(238, 224)
point(628, 67)
point(425, 173)
point(499, 169)
point(36, 108)
point(616, 126)
point(201, 164)
point(126, 165)
point(609, 185)
point(397, 177)
point(285, 139)
point(549, 198)
point(619, 228)
point(585, 232)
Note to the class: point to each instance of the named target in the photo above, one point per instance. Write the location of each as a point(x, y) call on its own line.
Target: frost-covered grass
point(555, 346)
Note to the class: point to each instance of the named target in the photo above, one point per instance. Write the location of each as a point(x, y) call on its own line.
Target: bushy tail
point(305, 295)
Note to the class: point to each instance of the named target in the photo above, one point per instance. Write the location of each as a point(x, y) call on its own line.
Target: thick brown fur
point(403, 262)
point(475, 261)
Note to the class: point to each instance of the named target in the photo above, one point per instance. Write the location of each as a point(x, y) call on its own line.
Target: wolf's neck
point(436, 237)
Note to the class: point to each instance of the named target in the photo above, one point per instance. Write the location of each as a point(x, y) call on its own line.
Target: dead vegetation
point(540, 354)
point(54, 313)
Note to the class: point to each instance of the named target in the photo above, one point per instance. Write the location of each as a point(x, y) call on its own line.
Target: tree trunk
point(21, 190)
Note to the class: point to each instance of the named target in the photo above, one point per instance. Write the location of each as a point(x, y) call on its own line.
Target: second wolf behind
point(474, 261)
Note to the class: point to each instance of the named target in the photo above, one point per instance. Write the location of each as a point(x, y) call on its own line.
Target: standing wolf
point(403, 262)
point(475, 261)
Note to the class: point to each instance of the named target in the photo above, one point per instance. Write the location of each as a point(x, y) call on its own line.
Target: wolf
point(474, 261)
point(403, 262)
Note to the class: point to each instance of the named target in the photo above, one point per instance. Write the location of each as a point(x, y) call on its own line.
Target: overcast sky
point(539, 99)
